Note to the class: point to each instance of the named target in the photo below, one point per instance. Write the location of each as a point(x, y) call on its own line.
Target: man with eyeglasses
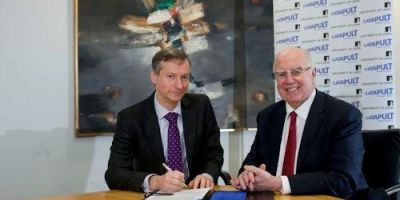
point(307, 143)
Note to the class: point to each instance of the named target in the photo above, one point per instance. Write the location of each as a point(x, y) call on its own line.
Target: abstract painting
point(229, 42)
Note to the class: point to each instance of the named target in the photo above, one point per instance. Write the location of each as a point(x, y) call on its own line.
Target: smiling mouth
point(291, 89)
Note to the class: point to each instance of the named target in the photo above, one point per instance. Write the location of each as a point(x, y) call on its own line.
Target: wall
point(38, 151)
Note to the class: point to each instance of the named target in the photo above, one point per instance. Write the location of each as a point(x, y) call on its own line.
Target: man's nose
point(289, 77)
point(179, 83)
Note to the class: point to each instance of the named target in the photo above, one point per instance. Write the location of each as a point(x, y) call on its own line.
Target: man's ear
point(314, 72)
point(153, 77)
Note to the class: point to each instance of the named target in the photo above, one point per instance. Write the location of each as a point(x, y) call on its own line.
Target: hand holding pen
point(170, 170)
point(169, 182)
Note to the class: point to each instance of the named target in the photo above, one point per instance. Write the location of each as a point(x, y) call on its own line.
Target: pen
point(166, 167)
point(170, 170)
point(155, 192)
point(148, 194)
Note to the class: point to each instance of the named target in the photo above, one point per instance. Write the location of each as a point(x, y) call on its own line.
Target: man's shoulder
point(337, 105)
point(333, 100)
point(190, 98)
point(273, 108)
point(138, 108)
point(195, 96)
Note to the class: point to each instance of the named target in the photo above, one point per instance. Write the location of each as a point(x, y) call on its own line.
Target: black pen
point(155, 192)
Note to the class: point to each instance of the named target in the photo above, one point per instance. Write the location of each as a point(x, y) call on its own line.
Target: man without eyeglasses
point(170, 129)
point(307, 143)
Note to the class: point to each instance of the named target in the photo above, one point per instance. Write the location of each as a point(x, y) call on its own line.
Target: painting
point(229, 43)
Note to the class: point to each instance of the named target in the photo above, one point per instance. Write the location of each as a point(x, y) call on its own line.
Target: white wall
point(39, 154)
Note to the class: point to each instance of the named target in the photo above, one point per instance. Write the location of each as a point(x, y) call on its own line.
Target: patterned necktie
point(290, 153)
point(174, 151)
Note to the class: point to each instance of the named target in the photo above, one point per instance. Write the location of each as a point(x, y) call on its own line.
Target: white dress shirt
point(302, 114)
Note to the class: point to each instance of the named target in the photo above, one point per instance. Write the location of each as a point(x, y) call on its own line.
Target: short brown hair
point(165, 55)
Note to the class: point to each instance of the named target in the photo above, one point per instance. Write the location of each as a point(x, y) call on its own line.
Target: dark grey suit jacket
point(137, 148)
point(331, 150)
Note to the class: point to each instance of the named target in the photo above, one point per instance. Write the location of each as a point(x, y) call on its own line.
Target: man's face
point(295, 79)
point(172, 82)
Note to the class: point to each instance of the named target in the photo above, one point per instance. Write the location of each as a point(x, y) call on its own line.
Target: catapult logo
point(322, 71)
point(288, 18)
point(381, 116)
point(345, 11)
point(382, 92)
point(315, 3)
point(317, 26)
point(378, 19)
point(346, 35)
point(384, 67)
point(346, 58)
point(347, 82)
point(288, 40)
point(319, 49)
point(379, 43)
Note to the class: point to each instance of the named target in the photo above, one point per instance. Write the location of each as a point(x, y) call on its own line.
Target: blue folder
point(228, 195)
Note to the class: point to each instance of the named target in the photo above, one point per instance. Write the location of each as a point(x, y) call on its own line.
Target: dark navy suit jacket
point(137, 149)
point(331, 150)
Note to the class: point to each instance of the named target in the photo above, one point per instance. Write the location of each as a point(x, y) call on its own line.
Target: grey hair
point(304, 51)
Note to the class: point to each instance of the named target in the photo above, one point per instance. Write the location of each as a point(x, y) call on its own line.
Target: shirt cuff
point(145, 185)
point(285, 185)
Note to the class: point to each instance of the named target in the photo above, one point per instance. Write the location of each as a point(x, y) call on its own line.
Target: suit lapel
point(313, 124)
point(276, 135)
point(152, 129)
point(189, 119)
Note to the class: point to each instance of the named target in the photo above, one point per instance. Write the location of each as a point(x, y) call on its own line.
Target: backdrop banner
point(351, 43)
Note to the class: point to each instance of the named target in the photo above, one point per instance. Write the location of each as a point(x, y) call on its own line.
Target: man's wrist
point(153, 183)
point(279, 186)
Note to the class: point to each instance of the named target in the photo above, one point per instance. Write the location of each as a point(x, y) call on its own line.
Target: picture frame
point(231, 54)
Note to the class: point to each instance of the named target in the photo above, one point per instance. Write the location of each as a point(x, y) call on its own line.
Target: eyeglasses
point(296, 72)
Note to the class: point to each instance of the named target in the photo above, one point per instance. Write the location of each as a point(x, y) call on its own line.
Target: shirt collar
point(304, 108)
point(161, 111)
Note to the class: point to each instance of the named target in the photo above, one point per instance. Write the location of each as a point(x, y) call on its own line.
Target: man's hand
point(201, 181)
point(263, 180)
point(169, 182)
point(244, 181)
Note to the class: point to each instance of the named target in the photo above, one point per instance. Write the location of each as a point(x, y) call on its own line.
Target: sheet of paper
point(193, 194)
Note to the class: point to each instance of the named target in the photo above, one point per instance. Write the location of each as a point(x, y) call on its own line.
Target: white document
point(193, 194)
